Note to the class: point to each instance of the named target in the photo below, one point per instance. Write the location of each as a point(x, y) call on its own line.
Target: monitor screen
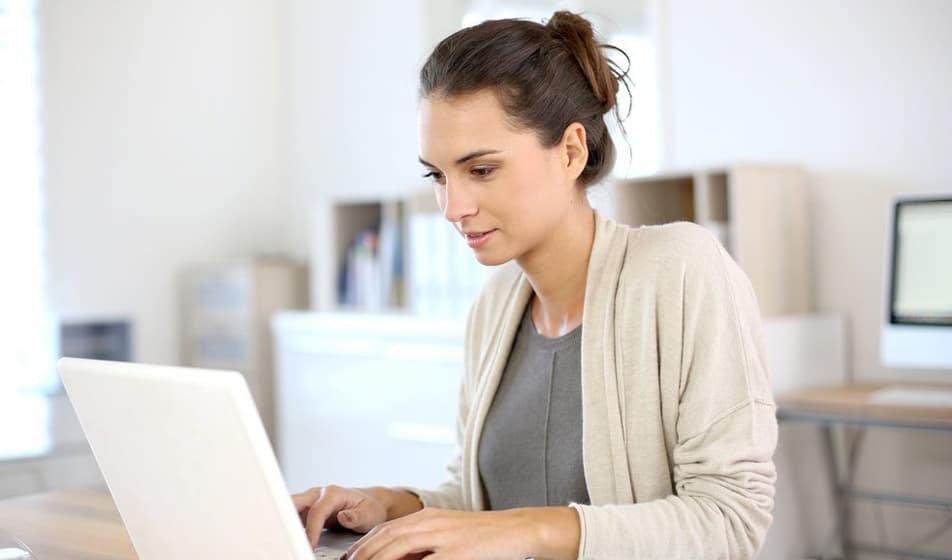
point(922, 263)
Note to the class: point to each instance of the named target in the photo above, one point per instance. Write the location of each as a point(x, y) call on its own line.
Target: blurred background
point(235, 185)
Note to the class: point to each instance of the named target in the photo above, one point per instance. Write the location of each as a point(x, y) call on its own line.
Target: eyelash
point(433, 175)
point(480, 172)
point(483, 171)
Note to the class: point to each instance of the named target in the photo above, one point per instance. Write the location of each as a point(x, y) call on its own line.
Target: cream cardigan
point(679, 427)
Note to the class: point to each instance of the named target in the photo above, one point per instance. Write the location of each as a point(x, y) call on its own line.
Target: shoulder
point(674, 251)
point(680, 261)
point(682, 241)
point(670, 241)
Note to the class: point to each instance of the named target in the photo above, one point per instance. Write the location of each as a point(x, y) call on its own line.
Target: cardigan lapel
point(608, 478)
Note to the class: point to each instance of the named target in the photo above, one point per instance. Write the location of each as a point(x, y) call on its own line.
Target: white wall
point(163, 141)
point(856, 90)
point(352, 84)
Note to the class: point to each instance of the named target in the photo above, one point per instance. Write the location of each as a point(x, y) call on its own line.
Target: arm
point(724, 491)
point(721, 444)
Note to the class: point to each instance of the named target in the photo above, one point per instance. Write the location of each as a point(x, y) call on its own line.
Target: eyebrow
point(464, 159)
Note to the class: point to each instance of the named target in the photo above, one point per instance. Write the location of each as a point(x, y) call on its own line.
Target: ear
point(574, 150)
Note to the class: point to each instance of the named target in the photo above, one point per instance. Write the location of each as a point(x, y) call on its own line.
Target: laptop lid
point(186, 459)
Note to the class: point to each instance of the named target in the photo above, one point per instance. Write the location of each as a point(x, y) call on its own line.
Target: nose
point(458, 202)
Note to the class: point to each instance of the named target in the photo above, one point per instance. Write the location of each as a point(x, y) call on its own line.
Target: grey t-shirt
point(530, 453)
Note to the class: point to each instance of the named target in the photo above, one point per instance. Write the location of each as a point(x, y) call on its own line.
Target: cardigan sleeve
point(721, 507)
point(726, 431)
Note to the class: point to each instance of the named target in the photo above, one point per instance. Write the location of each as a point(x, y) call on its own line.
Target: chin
point(491, 259)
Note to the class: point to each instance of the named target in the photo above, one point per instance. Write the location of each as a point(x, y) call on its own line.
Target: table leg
point(840, 502)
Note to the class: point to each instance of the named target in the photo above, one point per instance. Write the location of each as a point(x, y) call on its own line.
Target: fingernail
point(348, 516)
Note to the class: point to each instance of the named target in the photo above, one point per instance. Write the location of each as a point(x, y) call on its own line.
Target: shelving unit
point(427, 270)
point(758, 211)
point(387, 218)
point(227, 309)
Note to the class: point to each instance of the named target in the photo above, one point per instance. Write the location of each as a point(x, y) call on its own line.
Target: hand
point(332, 506)
point(443, 535)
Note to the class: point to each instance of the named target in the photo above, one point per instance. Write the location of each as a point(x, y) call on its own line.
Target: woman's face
point(502, 189)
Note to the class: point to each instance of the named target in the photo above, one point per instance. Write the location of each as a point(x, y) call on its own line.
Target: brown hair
point(545, 76)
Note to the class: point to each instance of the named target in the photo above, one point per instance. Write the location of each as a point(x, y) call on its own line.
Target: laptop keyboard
point(325, 553)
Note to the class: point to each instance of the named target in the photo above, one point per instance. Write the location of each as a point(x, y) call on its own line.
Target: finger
point(360, 518)
point(392, 541)
point(442, 555)
point(379, 535)
point(303, 500)
point(400, 547)
point(331, 500)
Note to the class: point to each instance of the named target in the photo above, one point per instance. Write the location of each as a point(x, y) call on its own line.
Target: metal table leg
point(840, 503)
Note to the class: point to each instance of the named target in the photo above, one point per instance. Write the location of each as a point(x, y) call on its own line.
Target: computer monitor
point(917, 323)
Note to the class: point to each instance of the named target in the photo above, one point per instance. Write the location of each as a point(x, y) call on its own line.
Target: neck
point(557, 271)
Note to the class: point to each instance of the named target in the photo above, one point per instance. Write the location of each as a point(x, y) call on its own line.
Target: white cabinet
point(366, 399)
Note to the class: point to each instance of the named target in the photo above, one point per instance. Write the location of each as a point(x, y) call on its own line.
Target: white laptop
point(188, 463)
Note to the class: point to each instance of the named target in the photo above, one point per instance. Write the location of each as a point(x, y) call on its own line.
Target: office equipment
point(97, 339)
point(917, 315)
point(851, 406)
point(186, 459)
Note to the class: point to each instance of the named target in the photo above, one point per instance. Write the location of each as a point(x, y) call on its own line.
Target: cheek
point(539, 186)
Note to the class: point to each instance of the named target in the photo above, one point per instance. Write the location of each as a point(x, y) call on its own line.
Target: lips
point(476, 239)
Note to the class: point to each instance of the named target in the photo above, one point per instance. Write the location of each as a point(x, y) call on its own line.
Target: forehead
point(450, 126)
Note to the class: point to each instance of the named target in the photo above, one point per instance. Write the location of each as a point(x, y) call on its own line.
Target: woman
point(615, 400)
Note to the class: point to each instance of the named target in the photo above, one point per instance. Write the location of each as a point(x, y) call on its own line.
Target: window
point(27, 339)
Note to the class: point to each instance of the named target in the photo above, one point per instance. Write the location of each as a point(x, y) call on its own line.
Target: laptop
point(188, 463)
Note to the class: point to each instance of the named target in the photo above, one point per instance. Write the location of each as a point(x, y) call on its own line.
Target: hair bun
point(578, 36)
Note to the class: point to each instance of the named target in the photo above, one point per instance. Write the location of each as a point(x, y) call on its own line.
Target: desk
point(847, 406)
point(68, 525)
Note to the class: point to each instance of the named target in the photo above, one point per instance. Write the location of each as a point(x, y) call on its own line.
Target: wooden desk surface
point(851, 402)
point(68, 525)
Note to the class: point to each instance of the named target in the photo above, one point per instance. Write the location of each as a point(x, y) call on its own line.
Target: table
point(848, 406)
point(68, 525)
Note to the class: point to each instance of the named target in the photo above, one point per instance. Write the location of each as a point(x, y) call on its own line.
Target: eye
point(483, 171)
point(435, 176)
